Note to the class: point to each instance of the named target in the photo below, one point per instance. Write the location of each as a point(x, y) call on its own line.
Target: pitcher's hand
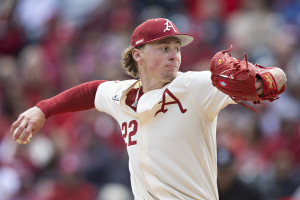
point(27, 125)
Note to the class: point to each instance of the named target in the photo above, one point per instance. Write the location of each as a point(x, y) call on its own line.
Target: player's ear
point(136, 54)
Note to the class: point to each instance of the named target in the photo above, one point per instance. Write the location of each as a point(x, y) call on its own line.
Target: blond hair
point(128, 63)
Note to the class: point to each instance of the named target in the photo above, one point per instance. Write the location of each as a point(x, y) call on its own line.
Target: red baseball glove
point(237, 78)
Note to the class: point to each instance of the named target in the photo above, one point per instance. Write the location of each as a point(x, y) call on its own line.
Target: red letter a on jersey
point(176, 101)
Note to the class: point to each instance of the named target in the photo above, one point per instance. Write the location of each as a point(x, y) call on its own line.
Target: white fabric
point(175, 152)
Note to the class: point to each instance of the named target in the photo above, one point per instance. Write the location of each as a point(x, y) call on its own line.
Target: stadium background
point(51, 45)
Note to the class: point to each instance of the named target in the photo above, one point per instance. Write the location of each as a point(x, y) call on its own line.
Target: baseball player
point(167, 118)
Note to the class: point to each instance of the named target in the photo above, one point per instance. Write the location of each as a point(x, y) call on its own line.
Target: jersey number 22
point(129, 130)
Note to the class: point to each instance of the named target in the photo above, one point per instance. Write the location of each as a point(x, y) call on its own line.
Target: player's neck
point(151, 85)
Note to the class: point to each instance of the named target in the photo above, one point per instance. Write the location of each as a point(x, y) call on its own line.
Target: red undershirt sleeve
point(78, 98)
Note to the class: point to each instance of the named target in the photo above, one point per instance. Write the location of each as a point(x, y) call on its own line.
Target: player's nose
point(174, 55)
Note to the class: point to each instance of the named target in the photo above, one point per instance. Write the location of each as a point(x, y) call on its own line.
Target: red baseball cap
point(157, 29)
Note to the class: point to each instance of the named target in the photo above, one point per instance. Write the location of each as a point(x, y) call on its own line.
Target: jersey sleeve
point(110, 96)
point(208, 99)
point(78, 98)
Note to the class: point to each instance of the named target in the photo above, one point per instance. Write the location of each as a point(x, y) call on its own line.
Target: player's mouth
point(172, 66)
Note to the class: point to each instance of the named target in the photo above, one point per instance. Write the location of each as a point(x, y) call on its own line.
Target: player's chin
point(169, 76)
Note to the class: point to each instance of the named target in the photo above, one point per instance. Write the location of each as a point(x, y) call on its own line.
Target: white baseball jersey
point(171, 138)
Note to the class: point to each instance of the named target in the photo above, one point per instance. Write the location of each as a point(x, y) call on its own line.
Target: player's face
point(160, 61)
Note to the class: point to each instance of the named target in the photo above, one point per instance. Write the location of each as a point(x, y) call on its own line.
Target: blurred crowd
point(49, 46)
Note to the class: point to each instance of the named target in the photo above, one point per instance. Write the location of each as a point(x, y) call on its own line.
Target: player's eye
point(166, 49)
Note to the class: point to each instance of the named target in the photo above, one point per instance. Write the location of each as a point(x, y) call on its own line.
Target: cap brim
point(184, 38)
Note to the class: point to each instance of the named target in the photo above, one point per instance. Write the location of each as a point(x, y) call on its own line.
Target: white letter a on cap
point(169, 25)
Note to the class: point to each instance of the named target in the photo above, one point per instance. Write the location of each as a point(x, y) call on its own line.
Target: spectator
point(229, 185)
point(282, 181)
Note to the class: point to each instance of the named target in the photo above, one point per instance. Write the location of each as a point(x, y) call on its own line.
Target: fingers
point(259, 86)
point(18, 127)
point(22, 130)
point(27, 125)
point(259, 91)
point(16, 124)
point(24, 138)
point(23, 133)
